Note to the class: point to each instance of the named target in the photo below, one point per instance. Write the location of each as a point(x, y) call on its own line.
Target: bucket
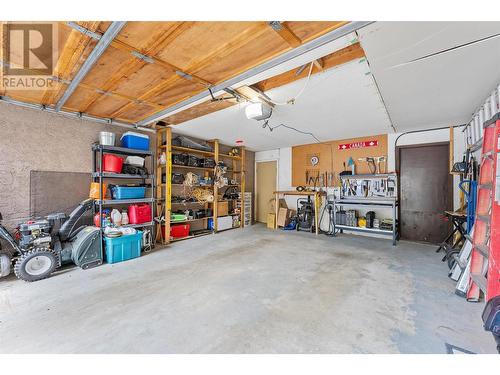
point(107, 138)
point(94, 190)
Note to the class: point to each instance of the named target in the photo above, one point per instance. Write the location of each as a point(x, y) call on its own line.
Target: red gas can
point(112, 163)
point(139, 213)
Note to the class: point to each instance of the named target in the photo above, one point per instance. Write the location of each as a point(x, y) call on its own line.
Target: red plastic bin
point(179, 230)
point(112, 163)
point(139, 213)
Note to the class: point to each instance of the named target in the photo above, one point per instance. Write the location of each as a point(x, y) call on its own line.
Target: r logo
point(28, 48)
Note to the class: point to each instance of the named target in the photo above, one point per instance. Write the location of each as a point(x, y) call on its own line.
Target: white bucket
point(107, 138)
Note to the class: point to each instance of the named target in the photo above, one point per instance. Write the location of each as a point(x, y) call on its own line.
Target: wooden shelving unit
point(166, 189)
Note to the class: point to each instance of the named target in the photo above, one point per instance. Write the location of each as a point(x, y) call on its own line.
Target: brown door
point(426, 191)
point(266, 186)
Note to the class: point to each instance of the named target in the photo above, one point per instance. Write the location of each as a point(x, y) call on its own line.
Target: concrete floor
point(248, 291)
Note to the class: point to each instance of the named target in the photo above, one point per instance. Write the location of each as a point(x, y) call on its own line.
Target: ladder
point(485, 257)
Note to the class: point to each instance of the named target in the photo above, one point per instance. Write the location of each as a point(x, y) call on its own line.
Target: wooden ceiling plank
point(153, 46)
point(69, 58)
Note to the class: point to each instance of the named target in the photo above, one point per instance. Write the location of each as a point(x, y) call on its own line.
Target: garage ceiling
point(425, 80)
point(149, 66)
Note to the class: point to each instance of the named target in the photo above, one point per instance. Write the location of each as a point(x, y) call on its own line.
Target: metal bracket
point(84, 30)
point(276, 25)
point(142, 57)
point(184, 75)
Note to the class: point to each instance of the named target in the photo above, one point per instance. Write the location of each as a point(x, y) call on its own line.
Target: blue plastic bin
point(128, 192)
point(134, 140)
point(123, 248)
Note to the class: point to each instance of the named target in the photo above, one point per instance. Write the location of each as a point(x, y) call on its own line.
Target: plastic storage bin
point(134, 140)
point(123, 248)
point(179, 230)
point(128, 192)
point(112, 163)
point(139, 213)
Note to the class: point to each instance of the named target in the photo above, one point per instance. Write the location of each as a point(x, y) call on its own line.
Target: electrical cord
point(271, 128)
point(292, 100)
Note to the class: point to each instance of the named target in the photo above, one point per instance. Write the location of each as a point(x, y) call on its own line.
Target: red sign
point(363, 144)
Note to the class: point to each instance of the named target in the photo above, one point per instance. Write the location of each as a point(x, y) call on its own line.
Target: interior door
point(426, 191)
point(266, 186)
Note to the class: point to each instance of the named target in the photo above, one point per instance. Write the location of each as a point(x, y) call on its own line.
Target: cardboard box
point(282, 203)
point(222, 208)
point(270, 220)
point(284, 216)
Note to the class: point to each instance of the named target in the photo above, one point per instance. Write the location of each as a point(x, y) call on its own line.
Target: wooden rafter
point(339, 57)
point(293, 40)
point(71, 56)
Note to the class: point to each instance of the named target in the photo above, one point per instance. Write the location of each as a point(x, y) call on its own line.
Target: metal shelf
point(367, 203)
point(120, 150)
point(115, 202)
point(148, 224)
point(361, 229)
point(367, 176)
point(122, 175)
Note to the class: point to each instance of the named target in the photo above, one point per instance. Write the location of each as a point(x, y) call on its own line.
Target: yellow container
point(94, 190)
point(271, 219)
point(362, 222)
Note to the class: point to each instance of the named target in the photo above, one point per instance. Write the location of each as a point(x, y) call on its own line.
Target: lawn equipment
point(41, 246)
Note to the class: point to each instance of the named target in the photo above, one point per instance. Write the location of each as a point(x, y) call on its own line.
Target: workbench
point(316, 200)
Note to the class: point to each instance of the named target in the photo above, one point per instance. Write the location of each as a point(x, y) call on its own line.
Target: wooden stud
point(216, 190)
point(242, 185)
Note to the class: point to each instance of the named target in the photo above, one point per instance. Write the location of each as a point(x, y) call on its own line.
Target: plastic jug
point(124, 217)
point(116, 217)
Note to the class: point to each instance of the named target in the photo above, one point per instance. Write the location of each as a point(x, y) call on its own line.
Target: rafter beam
point(289, 36)
point(101, 46)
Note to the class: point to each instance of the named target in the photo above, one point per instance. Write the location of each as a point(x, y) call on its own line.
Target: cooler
point(135, 140)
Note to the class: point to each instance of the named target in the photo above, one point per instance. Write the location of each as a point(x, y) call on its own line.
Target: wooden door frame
point(398, 171)
point(277, 161)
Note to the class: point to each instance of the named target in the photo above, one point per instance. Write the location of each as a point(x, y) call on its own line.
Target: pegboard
point(331, 156)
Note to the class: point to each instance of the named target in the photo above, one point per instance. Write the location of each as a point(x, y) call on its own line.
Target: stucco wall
point(35, 140)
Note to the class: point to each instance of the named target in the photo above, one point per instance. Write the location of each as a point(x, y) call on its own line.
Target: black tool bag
point(180, 159)
point(194, 161)
point(177, 178)
point(135, 170)
point(208, 163)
